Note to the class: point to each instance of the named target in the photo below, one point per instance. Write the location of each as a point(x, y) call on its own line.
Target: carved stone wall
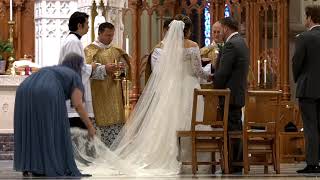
point(51, 25)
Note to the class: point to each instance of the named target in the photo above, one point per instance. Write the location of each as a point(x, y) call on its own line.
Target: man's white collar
point(318, 25)
point(101, 45)
point(231, 35)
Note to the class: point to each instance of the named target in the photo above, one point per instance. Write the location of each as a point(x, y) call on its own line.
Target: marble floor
point(287, 172)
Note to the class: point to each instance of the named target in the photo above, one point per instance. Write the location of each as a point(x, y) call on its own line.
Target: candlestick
point(11, 10)
point(265, 71)
point(258, 72)
point(127, 44)
point(10, 70)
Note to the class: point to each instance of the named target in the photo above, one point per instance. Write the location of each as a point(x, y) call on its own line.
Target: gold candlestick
point(126, 86)
point(10, 70)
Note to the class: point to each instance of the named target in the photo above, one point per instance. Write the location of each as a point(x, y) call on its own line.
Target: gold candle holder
point(10, 70)
point(126, 86)
point(117, 73)
point(126, 90)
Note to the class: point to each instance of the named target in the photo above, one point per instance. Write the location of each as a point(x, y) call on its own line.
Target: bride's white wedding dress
point(147, 144)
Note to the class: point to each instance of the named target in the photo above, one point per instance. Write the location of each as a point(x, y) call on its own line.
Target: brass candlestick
point(10, 70)
point(126, 86)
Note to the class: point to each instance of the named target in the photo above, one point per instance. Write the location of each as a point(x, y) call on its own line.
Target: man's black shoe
point(25, 174)
point(86, 175)
point(37, 175)
point(310, 169)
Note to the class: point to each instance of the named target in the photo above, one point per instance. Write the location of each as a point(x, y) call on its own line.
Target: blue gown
point(41, 126)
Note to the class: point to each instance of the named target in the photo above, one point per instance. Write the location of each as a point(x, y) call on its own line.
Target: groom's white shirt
point(231, 35)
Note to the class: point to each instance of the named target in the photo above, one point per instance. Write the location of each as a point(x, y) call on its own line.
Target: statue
point(98, 20)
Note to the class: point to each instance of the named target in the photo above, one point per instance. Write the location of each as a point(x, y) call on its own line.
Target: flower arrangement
point(5, 47)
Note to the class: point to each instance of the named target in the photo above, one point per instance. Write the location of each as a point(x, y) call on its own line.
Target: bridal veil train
point(147, 144)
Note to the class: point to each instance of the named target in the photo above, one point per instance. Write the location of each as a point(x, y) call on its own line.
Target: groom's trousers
point(235, 124)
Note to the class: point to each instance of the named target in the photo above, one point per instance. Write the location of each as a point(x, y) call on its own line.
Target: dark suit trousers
point(310, 112)
point(235, 124)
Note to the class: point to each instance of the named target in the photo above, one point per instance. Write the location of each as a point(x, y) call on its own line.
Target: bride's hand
point(91, 132)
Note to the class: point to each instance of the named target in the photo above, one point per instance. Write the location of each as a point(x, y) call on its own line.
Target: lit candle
point(11, 9)
point(127, 45)
point(258, 71)
point(265, 71)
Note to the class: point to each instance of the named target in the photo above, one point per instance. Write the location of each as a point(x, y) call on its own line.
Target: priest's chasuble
point(210, 53)
point(107, 94)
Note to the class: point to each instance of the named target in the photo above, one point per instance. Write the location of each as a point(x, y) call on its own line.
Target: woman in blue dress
point(41, 127)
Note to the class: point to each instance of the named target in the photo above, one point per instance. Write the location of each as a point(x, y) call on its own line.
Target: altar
point(8, 86)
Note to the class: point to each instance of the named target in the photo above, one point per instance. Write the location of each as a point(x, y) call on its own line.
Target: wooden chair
point(260, 128)
point(214, 140)
point(291, 143)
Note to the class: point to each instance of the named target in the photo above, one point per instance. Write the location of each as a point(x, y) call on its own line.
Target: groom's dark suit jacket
point(306, 64)
point(233, 69)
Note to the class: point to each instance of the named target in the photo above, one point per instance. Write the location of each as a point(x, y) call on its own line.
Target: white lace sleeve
point(99, 73)
point(196, 64)
point(155, 57)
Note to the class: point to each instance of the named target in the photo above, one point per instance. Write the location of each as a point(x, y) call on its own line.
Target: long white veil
point(147, 142)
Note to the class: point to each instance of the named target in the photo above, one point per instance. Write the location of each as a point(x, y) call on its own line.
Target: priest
point(107, 94)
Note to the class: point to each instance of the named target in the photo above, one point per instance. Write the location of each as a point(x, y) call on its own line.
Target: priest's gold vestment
point(210, 52)
point(107, 94)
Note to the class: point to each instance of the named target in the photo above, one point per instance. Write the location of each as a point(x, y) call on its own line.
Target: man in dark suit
point(306, 73)
point(232, 73)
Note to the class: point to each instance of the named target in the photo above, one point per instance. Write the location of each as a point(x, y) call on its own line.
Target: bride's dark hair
point(187, 23)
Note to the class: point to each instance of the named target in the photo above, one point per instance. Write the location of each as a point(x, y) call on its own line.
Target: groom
point(232, 73)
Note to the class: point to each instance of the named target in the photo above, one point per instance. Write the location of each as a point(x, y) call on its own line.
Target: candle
point(258, 71)
point(11, 9)
point(265, 71)
point(127, 45)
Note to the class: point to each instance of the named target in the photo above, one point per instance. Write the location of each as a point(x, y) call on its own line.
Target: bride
point(147, 144)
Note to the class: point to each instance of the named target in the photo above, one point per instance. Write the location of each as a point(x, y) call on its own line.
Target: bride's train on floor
point(94, 157)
